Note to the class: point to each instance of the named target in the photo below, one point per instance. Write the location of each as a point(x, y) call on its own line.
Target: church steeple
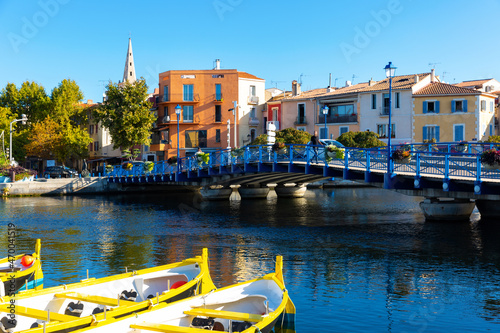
point(129, 72)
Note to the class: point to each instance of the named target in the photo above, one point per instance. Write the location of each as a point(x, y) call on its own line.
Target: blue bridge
point(444, 170)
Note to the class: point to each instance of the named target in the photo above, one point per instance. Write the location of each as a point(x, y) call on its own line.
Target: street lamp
point(178, 113)
point(23, 119)
point(325, 112)
point(389, 72)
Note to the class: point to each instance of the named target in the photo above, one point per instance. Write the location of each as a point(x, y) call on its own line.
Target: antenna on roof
point(275, 83)
point(353, 77)
point(336, 80)
point(444, 73)
point(433, 64)
point(300, 78)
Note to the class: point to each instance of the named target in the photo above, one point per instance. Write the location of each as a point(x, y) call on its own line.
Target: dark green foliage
point(287, 135)
point(364, 139)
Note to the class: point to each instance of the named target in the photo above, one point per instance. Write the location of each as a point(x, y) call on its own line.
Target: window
point(483, 105)
point(165, 114)
point(382, 130)
point(323, 133)
point(430, 132)
point(91, 147)
point(343, 129)
point(195, 139)
point(252, 134)
point(458, 132)
point(252, 113)
point(218, 114)
point(187, 113)
point(165, 94)
point(217, 135)
point(397, 97)
point(96, 145)
point(188, 92)
point(374, 101)
point(130, 73)
point(164, 136)
point(218, 92)
point(96, 128)
point(301, 128)
point(430, 107)
point(301, 113)
point(91, 129)
point(459, 106)
point(385, 101)
point(252, 91)
point(492, 107)
point(491, 130)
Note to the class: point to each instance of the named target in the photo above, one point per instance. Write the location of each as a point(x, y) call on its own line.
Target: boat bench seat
point(225, 314)
point(166, 328)
point(94, 299)
point(37, 314)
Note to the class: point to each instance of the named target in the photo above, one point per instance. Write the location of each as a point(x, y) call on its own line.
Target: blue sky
point(49, 40)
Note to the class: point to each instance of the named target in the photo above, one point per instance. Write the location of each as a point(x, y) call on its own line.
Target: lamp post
point(23, 119)
point(389, 72)
point(325, 112)
point(178, 113)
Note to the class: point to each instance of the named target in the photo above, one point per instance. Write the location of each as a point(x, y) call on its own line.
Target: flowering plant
point(490, 157)
point(128, 166)
point(237, 151)
point(334, 151)
point(400, 154)
point(148, 166)
point(203, 158)
point(278, 146)
point(109, 168)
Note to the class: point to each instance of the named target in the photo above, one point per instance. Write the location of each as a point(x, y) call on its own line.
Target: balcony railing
point(335, 118)
point(218, 97)
point(384, 111)
point(252, 121)
point(253, 100)
point(302, 121)
point(179, 98)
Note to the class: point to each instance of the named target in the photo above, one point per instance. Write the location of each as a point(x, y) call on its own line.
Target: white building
point(251, 104)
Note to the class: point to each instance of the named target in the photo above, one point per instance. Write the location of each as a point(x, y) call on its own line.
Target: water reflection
point(349, 253)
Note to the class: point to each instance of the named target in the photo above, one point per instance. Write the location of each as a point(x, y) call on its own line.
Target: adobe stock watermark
point(32, 25)
point(224, 6)
point(363, 37)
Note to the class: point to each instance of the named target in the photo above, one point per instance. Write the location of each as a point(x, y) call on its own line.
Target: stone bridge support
point(290, 190)
point(446, 209)
point(253, 191)
point(489, 209)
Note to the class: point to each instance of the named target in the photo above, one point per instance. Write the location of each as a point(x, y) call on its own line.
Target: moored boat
point(75, 306)
point(255, 306)
point(22, 271)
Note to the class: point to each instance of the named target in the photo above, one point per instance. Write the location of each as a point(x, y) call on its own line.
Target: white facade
point(251, 103)
point(485, 112)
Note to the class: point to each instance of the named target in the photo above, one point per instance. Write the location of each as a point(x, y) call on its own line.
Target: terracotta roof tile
point(398, 82)
point(347, 90)
point(279, 97)
point(309, 93)
point(245, 75)
point(439, 88)
point(472, 83)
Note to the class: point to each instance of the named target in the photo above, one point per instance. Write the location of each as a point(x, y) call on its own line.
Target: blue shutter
point(436, 103)
point(464, 103)
point(437, 133)
point(452, 106)
point(424, 133)
point(424, 107)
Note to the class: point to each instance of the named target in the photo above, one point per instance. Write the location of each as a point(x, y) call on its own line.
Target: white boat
point(75, 306)
point(254, 306)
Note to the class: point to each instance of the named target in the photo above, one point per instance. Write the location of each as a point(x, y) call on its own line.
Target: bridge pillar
point(290, 190)
point(447, 210)
point(489, 209)
point(216, 192)
point(248, 192)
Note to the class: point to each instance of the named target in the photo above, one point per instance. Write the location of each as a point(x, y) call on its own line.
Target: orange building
point(205, 98)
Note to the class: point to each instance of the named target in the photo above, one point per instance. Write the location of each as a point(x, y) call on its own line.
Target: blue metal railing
point(427, 159)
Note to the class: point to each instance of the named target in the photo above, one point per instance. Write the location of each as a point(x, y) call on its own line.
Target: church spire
point(129, 72)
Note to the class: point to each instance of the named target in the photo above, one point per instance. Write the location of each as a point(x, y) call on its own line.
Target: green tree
point(366, 139)
point(30, 99)
point(493, 139)
point(66, 103)
point(126, 113)
point(287, 135)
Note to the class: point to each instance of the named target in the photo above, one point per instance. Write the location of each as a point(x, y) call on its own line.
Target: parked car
point(59, 172)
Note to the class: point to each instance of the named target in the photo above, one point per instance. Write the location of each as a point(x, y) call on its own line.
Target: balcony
point(302, 121)
point(218, 98)
point(384, 111)
point(179, 99)
point(253, 100)
point(159, 147)
point(252, 121)
point(338, 119)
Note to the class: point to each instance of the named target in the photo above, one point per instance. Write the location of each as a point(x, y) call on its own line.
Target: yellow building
point(449, 113)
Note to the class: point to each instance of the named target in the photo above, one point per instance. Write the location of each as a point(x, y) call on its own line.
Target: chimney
point(89, 101)
point(217, 64)
point(295, 88)
point(348, 83)
point(371, 82)
point(433, 76)
point(330, 89)
point(416, 78)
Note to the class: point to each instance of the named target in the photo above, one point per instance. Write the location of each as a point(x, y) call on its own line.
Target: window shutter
point(424, 107)
point(436, 103)
point(464, 103)
point(453, 103)
point(424, 133)
point(437, 133)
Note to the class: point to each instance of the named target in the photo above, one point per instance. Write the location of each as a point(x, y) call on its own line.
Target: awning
point(159, 129)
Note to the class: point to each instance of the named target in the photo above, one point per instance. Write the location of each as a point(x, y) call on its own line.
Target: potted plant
point(461, 147)
point(401, 156)
point(490, 159)
point(237, 151)
point(333, 151)
point(202, 158)
point(127, 166)
point(109, 169)
point(148, 166)
point(279, 147)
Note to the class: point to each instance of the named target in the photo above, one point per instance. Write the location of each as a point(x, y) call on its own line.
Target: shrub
point(493, 139)
point(278, 145)
point(364, 139)
point(172, 160)
point(400, 154)
point(490, 157)
point(148, 166)
point(287, 135)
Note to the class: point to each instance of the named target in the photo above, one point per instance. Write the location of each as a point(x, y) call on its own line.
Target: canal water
point(356, 260)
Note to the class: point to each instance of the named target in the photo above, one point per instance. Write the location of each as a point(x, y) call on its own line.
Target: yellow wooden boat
point(254, 306)
point(75, 306)
point(22, 271)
